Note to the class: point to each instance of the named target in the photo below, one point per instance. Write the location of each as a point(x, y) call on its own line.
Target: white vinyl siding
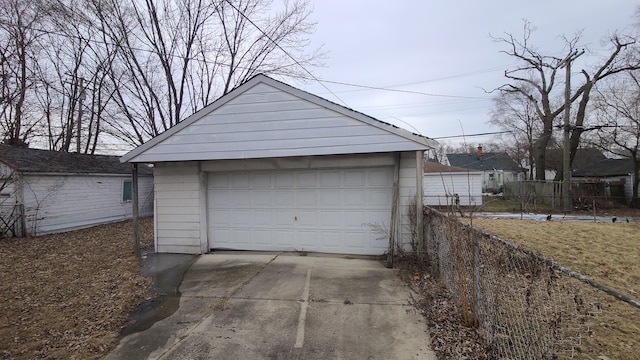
point(266, 122)
point(55, 203)
point(407, 191)
point(177, 209)
point(439, 188)
point(330, 210)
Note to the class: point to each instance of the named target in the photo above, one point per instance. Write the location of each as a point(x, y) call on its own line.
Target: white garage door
point(312, 210)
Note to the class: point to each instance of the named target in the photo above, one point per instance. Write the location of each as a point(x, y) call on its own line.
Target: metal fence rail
point(525, 306)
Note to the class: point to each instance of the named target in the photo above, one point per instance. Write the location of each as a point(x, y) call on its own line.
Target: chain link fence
point(524, 305)
point(11, 221)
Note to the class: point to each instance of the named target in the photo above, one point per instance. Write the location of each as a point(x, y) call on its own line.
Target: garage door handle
point(295, 218)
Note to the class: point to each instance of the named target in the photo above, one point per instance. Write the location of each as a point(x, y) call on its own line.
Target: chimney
point(480, 152)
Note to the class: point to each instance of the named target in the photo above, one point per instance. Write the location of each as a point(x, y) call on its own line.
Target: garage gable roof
point(265, 118)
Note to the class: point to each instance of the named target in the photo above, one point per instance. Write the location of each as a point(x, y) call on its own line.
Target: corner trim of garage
point(394, 209)
point(204, 214)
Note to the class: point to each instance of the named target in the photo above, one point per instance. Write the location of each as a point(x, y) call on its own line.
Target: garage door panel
point(241, 237)
point(219, 218)
point(330, 179)
point(306, 179)
point(330, 219)
point(261, 180)
point(307, 240)
point(305, 218)
point(261, 237)
point(355, 178)
point(380, 178)
point(238, 218)
point(356, 240)
point(284, 218)
point(219, 181)
point(332, 239)
point(218, 198)
point(330, 199)
point(240, 181)
point(262, 198)
point(313, 210)
point(284, 239)
point(355, 198)
point(262, 218)
point(306, 198)
point(354, 219)
point(284, 180)
point(240, 199)
point(380, 198)
point(284, 198)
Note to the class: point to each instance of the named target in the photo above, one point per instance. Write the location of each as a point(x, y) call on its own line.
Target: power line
point(285, 52)
point(369, 87)
point(471, 135)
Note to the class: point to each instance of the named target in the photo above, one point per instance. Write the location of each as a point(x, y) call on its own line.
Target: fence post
point(23, 221)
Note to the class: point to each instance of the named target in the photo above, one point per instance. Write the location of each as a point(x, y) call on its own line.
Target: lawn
point(606, 252)
point(66, 296)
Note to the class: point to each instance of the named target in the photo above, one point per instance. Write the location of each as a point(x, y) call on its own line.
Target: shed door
point(334, 211)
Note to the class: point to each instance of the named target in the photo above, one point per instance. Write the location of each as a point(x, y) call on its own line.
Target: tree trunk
point(540, 149)
point(635, 201)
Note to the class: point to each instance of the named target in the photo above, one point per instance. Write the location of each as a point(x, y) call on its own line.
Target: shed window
point(127, 191)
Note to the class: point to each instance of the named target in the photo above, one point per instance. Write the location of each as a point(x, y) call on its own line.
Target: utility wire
point(469, 135)
point(399, 90)
point(285, 51)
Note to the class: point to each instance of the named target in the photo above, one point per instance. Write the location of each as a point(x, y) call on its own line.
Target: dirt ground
point(449, 339)
point(66, 296)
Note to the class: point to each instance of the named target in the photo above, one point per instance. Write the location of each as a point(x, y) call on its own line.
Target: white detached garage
point(271, 167)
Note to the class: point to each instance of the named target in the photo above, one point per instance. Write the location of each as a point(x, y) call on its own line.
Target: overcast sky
point(442, 48)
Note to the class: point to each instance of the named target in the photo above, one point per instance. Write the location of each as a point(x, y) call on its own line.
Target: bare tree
point(618, 129)
point(537, 76)
point(19, 50)
point(516, 114)
point(175, 56)
point(77, 72)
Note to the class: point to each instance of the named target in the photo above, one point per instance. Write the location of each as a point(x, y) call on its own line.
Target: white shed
point(271, 167)
point(443, 183)
point(50, 191)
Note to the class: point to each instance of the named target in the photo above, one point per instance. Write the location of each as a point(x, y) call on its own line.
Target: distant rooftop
point(484, 161)
point(434, 167)
point(27, 160)
point(606, 167)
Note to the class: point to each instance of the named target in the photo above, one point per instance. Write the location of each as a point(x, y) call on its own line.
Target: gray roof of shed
point(489, 161)
point(28, 160)
point(606, 167)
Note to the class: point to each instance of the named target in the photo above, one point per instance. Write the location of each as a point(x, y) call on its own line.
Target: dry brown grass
point(66, 296)
point(607, 253)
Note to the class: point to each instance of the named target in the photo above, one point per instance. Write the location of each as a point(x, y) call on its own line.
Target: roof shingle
point(488, 161)
point(27, 160)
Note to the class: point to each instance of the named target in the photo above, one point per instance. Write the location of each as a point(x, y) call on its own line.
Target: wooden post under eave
point(394, 209)
point(134, 198)
point(419, 204)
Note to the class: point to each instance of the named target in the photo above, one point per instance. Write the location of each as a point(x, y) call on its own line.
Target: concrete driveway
point(285, 306)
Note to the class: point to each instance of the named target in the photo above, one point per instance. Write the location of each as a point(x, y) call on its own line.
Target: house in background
point(584, 158)
point(271, 167)
point(497, 168)
point(50, 191)
point(442, 183)
point(614, 173)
